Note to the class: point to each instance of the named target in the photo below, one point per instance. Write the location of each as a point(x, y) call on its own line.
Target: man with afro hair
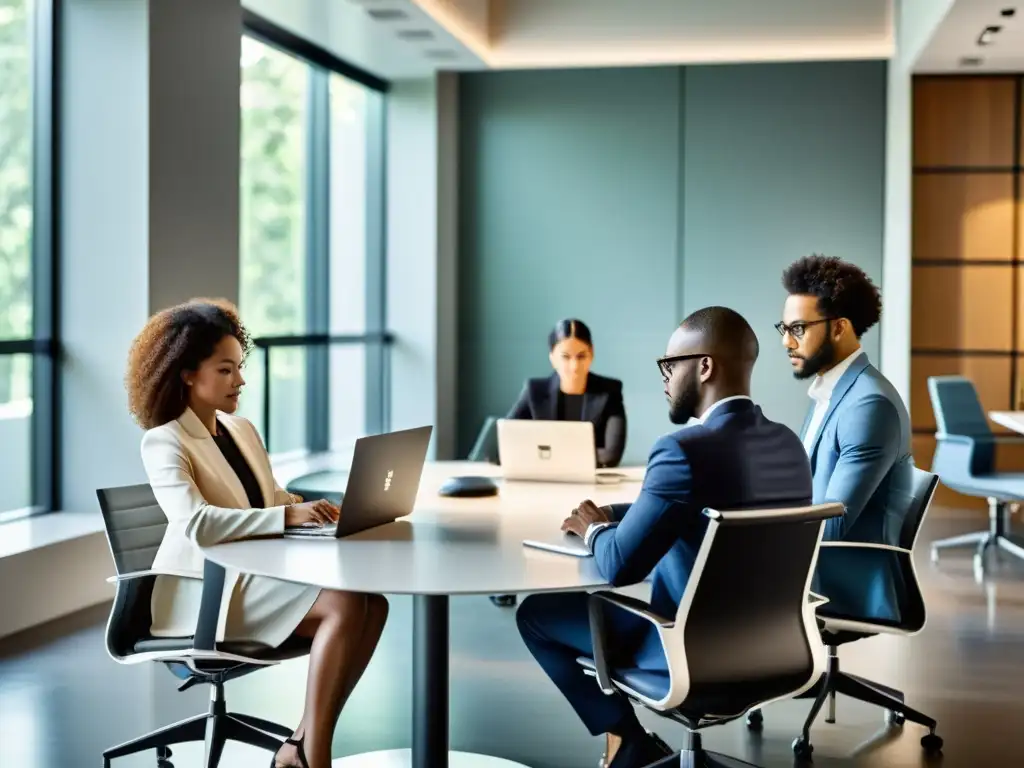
point(857, 431)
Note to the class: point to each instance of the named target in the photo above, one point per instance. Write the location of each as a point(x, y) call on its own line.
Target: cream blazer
point(205, 504)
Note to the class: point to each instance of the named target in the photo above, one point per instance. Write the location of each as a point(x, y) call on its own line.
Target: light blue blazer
point(862, 458)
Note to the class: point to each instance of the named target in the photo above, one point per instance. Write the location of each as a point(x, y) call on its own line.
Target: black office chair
point(751, 579)
point(965, 455)
point(135, 527)
point(486, 446)
point(841, 628)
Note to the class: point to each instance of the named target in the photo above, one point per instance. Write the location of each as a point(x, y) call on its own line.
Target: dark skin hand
point(585, 515)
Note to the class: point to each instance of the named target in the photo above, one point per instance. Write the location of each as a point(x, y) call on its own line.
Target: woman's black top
point(234, 457)
point(570, 407)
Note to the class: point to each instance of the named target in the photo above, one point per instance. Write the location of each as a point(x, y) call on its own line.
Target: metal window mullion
point(45, 465)
point(318, 216)
point(378, 385)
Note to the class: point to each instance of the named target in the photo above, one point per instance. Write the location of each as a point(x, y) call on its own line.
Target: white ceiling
point(957, 37)
point(345, 28)
point(566, 33)
point(408, 38)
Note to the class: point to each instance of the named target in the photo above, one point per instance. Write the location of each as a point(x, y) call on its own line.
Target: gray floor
point(62, 701)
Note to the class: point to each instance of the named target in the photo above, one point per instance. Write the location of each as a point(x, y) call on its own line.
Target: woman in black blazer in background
point(573, 393)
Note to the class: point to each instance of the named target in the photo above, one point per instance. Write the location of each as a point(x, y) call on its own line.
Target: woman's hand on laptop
point(320, 512)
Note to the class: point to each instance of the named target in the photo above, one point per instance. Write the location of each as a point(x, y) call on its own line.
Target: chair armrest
point(635, 606)
point(598, 636)
point(146, 574)
point(863, 545)
point(209, 607)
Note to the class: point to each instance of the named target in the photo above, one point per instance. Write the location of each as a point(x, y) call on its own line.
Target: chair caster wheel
point(894, 718)
point(164, 764)
point(932, 744)
point(755, 720)
point(802, 748)
point(504, 601)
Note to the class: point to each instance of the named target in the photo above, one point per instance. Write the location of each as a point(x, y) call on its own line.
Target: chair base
point(997, 536)
point(695, 756)
point(836, 681)
point(216, 728)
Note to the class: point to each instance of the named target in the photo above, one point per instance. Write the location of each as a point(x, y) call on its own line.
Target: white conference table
point(447, 546)
point(1010, 419)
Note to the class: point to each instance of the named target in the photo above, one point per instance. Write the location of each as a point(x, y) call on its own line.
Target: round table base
point(402, 758)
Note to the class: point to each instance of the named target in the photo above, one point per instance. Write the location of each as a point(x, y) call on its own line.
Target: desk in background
point(1010, 419)
point(447, 546)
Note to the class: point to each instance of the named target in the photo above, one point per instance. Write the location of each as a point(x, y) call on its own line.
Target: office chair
point(964, 460)
point(135, 527)
point(839, 628)
point(744, 634)
point(486, 446)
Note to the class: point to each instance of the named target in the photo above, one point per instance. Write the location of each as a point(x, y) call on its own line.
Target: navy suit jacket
point(736, 459)
point(861, 457)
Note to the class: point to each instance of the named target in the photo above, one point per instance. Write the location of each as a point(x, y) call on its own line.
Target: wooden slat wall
point(968, 232)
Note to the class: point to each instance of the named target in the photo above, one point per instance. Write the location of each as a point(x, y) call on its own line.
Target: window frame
point(43, 345)
point(318, 340)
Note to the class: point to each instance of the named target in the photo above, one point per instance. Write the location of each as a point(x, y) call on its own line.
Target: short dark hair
point(175, 340)
point(842, 289)
point(570, 328)
point(725, 329)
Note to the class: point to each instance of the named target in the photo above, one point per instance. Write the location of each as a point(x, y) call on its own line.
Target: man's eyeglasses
point(797, 329)
point(665, 364)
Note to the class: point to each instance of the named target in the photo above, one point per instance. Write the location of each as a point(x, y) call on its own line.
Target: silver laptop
point(554, 451)
point(562, 543)
point(382, 483)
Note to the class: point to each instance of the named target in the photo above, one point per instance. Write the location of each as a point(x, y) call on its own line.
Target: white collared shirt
point(820, 392)
point(593, 528)
point(714, 406)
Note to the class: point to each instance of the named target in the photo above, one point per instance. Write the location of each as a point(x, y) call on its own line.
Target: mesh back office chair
point(135, 527)
point(965, 451)
point(841, 628)
point(745, 632)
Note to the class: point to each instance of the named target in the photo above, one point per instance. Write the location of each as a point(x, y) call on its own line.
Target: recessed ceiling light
point(970, 61)
point(988, 34)
point(440, 54)
point(386, 14)
point(1008, 12)
point(415, 34)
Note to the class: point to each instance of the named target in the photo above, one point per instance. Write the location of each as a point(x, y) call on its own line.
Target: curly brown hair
point(176, 340)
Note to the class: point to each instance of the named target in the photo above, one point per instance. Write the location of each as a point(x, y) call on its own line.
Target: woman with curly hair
point(211, 475)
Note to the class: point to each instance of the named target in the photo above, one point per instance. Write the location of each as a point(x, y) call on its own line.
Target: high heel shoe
point(297, 743)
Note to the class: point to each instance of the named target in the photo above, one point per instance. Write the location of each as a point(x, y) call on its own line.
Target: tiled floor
point(62, 701)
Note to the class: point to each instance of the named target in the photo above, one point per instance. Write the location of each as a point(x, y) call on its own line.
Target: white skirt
point(262, 609)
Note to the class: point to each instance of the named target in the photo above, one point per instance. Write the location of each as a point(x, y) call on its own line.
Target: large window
point(311, 243)
point(26, 257)
point(275, 124)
